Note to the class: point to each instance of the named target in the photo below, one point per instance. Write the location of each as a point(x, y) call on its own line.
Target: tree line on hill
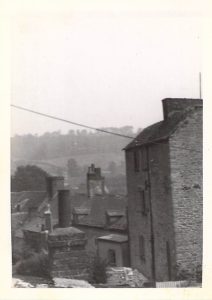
point(54, 144)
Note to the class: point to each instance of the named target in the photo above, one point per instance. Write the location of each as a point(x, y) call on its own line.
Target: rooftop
point(118, 238)
point(162, 130)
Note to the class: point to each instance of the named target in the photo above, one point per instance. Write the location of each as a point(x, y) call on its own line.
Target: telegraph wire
point(93, 128)
point(70, 122)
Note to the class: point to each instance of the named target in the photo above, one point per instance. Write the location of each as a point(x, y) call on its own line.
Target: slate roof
point(100, 205)
point(81, 211)
point(120, 224)
point(159, 131)
point(118, 238)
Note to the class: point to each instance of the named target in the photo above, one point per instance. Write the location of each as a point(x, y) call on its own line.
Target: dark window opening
point(144, 163)
point(143, 202)
point(136, 161)
point(142, 247)
point(111, 257)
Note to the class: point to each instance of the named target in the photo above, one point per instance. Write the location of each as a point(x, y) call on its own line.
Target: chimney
point(95, 181)
point(178, 105)
point(48, 219)
point(53, 184)
point(64, 208)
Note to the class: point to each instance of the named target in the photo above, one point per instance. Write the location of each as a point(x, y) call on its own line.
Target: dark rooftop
point(160, 130)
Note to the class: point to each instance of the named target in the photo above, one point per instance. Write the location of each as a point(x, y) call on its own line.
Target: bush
point(35, 265)
point(98, 270)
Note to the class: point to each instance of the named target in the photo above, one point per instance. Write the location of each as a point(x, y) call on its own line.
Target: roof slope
point(27, 199)
point(159, 131)
point(99, 206)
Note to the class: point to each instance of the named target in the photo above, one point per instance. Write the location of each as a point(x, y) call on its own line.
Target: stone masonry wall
point(139, 223)
point(162, 212)
point(186, 180)
point(67, 254)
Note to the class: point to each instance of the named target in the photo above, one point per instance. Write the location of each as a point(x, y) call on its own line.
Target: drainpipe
point(151, 218)
point(128, 234)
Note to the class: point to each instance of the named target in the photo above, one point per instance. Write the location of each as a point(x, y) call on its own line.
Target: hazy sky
point(101, 69)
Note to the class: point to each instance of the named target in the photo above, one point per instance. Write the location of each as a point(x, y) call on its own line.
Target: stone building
point(164, 182)
point(94, 212)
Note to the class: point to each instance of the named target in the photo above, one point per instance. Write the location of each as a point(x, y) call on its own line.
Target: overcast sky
point(101, 69)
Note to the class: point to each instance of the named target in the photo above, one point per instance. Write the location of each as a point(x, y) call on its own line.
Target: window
point(111, 257)
point(136, 158)
point(142, 247)
point(143, 202)
point(144, 163)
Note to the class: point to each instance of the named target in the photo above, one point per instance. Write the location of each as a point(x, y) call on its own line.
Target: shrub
point(98, 270)
point(36, 265)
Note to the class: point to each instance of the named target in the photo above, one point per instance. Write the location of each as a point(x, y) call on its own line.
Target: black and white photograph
point(106, 147)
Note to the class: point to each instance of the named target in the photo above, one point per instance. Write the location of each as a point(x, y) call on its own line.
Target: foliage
point(37, 264)
point(74, 169)
point(98, 270)
point(28, 178)
point(55, 144)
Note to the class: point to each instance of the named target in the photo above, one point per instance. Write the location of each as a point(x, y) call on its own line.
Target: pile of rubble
point(18, 283)
point(71, 283)
point(122, 276)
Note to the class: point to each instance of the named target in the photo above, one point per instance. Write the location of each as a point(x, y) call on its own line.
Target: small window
point(143, 202)
point(136, 155)
point(142, 247)
point(111, 257)
point(144, 163)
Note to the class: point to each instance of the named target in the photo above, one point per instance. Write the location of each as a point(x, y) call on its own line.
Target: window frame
point(142, 252)
point(136, 160)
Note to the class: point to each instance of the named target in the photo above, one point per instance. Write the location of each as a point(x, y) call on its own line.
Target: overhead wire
point(94, 128)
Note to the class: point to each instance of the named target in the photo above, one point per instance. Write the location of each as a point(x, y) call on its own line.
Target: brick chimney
point(178, 105)
point(95, 181)
point(53, 184)
point(64, 208)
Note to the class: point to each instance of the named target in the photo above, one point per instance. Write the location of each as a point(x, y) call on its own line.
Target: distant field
point(51, 165)
point(100, 159)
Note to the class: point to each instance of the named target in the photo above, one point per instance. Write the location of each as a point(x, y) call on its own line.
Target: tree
point(28, 178)
point(112, 168)
point(74, 169)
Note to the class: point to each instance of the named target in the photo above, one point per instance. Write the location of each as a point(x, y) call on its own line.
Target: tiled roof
point(81, 211)
point(118, 238)
point(99, 206)
point(120, 224)
point(159, 131)
point(115, 213)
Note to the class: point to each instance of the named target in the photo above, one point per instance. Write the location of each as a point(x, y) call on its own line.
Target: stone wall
point(157, 188)
point(67, 254)
point(186, 181)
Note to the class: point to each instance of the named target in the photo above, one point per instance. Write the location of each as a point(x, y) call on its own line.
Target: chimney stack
point(48, 219)
point(95, 181)
point(54, 183)
point(178, 105)
point(64, 208)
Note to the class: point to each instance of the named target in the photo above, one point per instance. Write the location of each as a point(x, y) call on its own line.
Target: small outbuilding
point(114, 249)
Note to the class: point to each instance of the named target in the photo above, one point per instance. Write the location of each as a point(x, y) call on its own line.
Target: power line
point(70, 122)
point(93, 128)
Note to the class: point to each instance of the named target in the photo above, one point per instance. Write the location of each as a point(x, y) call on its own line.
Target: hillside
point(70, 154)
